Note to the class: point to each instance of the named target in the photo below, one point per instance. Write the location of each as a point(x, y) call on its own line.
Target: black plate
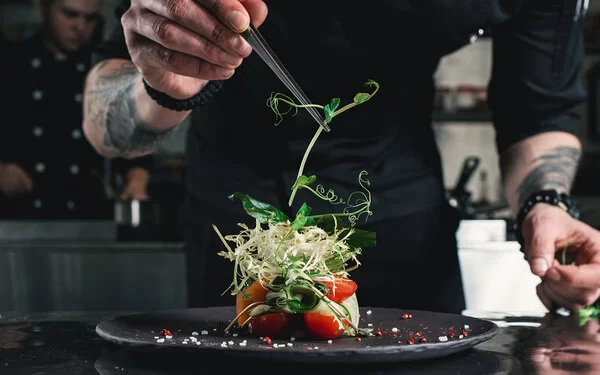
point(206, 326)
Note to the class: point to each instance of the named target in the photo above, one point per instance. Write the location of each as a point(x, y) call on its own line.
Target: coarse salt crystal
point(443, 338)
point(235, 335)
point(160, 340)
point(243, 343)
point(290, 344)
point(329, 341)
point(369, 312)
point(223, 344)
point(156, 337)
point(394, 329)
point(370, 325)
point(194, 333)
point(230, 342)
point(168, 336)
point(204, 332)
point(198, 343)
point(184, 342)
point(292, 338)
point(466, 326)
point(461, 336)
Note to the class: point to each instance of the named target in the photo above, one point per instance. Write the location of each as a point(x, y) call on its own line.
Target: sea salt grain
point(230, 342)
point(370, 325)
point(394, 329)
point(160, 340)
point(329, 341)
point(369, 312)
point(466, 326)
point(168, 336)
point(290, 344)
point(194, 333)
point(204, 332)
point(443, 338)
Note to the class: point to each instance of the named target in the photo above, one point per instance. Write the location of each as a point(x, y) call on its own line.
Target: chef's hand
point(547, 230)
point(136, 185)
point(14, 181)
point(178, 46)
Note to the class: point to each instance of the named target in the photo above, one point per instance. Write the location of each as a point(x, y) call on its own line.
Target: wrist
point(542, 198)
point(180, 103)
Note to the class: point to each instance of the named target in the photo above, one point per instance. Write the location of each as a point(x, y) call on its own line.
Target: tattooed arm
point(120, 119)
point(546, 161)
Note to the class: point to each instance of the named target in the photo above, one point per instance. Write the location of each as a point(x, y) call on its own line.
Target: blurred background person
point(47, 168)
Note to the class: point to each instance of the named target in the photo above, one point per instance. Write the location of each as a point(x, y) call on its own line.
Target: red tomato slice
point(270, 325)
point(344, 288)
point(322, 327)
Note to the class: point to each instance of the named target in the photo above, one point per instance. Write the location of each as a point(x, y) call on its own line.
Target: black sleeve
point(536, 81)
point(114, 46)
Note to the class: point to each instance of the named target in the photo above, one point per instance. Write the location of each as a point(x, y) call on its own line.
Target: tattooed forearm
point(554, 170)
point(111, 106)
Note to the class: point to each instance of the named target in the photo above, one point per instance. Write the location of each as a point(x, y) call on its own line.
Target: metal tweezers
point(260, 46)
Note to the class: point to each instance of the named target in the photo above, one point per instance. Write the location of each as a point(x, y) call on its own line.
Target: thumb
point(540, 249)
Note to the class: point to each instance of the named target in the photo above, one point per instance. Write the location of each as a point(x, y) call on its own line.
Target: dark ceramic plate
point(434, 334)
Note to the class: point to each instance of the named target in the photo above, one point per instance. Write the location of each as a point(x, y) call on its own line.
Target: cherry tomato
point(270, 325)
point(254, 293)
point(344, 289)
point(323, 327)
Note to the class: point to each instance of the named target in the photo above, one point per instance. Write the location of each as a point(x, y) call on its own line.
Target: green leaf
point(304, 181)
point(359, 239)
point(263, 212)
point(334, 104)
point(302, 218)
point(361, 97)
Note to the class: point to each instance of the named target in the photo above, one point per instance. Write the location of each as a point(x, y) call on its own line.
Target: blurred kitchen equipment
point(260, 46)
point(459, 197)
point(150, 220)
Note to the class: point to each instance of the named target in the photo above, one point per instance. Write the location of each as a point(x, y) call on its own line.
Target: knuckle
point(176, 9)
point(220, 33)
point(164, 30)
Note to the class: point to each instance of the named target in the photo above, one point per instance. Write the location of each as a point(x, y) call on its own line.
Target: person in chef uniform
point(173, 59)
point(47, 168)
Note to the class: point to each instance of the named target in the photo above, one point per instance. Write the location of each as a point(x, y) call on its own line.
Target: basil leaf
point(261, 211)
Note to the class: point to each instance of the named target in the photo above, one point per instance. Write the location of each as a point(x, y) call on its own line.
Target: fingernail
point(237, 20)
point(539, 266)
point(553, 275)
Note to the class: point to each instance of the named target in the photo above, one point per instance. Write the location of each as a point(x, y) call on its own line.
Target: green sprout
point(282, 105)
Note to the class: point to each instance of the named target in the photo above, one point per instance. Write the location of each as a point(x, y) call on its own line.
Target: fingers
point(26, 181)
point(257, 10)
point(191, 38)
point(553, 294)
point(201, 23)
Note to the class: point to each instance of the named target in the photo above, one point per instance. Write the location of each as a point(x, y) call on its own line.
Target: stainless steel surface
point(72, 230)
point(262, 48)
point(39, 276)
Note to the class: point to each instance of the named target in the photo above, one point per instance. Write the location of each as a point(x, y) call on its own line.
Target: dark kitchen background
point(135, 262)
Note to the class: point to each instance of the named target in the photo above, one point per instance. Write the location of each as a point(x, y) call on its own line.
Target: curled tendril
point(274, 102)
point(357, 204)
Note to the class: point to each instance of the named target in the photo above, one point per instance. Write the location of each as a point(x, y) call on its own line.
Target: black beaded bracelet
point(195, 101)
point(552, 197)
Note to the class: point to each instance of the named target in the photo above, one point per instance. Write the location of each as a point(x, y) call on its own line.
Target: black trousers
point(413, 266)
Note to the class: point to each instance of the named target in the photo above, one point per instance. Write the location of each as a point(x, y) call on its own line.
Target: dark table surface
point(66, 343)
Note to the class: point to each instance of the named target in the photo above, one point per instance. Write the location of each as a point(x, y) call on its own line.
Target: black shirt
point(43, 97)
point(332, 48)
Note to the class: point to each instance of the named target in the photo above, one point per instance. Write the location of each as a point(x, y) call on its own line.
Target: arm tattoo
point(555, 170)
point(112, 106)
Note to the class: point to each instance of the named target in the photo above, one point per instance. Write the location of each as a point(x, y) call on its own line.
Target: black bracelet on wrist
point(195, 101)
point(552, 197)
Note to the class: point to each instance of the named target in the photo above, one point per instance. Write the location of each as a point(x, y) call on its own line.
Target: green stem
point(303, 163)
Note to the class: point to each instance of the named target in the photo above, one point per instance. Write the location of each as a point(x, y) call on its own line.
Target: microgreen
point(282, 105)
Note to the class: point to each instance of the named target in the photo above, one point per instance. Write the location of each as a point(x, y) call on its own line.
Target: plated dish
point(397, 337)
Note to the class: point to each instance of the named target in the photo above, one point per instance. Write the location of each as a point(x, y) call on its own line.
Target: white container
point(495, 275)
